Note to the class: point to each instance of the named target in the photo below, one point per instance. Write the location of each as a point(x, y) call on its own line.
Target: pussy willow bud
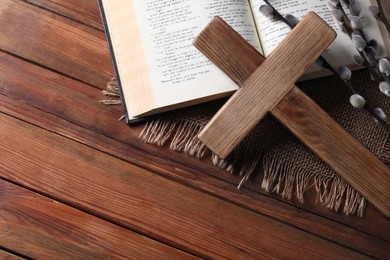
point(337, 15)
point(384, 66)
point(374, 44)
point(374, 75)
point(384, 87)
point(267, 11)
point(357, 101)
point(370, 54)
point(380, 113)
point(292, 19)
point(354, 8)
point(374, 11)
point(358, 60)
point(356, 23)
point(359, 42)
point(345, 73)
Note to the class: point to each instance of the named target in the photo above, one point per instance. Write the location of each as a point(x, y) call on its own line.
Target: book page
point(177, 70)
point(340, 52)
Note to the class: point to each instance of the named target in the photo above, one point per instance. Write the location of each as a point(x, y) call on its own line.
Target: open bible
point(158, 69)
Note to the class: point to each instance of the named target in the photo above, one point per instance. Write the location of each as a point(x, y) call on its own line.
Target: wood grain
point(307, 121)
point(38, 227)
point(164, 210)
point(335, 146)
point(264, 89)
point(55, 42)
point(26, 87)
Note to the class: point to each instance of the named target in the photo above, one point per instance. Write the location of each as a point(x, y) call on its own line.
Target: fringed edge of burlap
point(111, 93)
point(385, 154)
point(181, 133)
point(280, 178)
point(332, 191)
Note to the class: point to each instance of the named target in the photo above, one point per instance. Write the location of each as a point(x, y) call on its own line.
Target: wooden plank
point(82, 11)
point(38, 227)
point(96, 125)
point(264, 89)
point(8, 256)
point(301, 115)
point(140, 200)
point(55, 42)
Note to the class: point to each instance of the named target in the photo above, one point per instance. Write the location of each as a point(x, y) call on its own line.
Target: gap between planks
point(6, 254)
point(65, 9)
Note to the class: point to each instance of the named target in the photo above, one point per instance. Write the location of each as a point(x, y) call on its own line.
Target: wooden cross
point(270, 88)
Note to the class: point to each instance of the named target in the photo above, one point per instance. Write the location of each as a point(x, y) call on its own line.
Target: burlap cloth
point(284, 165)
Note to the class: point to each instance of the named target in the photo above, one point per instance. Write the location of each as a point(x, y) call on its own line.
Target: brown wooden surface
point(49, 94)
point(313, 126)
point(139, 200)
point(40, 227)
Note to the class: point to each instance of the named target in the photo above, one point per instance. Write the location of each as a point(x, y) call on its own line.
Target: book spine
point(114, 64)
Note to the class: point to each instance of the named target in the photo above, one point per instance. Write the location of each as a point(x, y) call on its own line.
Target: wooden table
point(76, 183)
